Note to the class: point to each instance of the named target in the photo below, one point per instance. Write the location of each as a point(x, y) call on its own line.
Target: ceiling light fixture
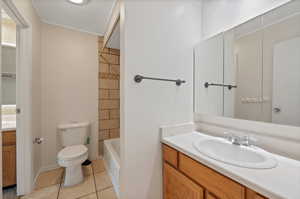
point(78, 2)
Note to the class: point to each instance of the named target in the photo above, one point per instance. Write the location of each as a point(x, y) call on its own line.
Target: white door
point(286, 83)
point(25, 155)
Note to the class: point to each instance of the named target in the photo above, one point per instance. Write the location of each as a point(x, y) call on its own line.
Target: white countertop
point(282, 182)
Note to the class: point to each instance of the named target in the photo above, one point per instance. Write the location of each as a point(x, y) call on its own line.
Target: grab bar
point(139, 78)
point(206, 85)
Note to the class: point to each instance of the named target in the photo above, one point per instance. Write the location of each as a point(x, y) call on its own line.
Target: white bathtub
point(112, 161)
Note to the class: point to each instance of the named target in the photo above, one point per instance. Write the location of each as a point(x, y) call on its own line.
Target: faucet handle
point(228, 136)
point(248, 140)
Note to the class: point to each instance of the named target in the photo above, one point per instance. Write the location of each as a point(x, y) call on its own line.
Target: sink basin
point(242, 156)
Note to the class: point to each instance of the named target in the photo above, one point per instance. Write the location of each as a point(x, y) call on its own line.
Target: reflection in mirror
point(209, 69)
point(262, 59)
point(243, 68)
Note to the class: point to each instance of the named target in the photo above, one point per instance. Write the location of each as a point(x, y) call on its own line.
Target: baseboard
point(35, 178)
point(49, 167)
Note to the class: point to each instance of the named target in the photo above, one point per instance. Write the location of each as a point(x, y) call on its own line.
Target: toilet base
point(73, 175)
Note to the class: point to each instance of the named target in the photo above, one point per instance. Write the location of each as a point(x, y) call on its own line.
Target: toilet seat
point(72, 152)
point(71, 157)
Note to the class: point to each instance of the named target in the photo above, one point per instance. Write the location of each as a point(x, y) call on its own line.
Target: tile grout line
point(95, 181)
point(61, 181)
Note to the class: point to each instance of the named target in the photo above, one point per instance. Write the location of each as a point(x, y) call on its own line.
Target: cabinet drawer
point(178, 186)
point(170, 155)
point(219, 185)
point(9, 138)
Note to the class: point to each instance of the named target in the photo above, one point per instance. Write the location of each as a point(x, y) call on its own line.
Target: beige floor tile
point(44, 193)
point(87, 170)
point(90, 196)
point(107, 194)
point(77, 191)
point(49, 178)
point(98, 166)
point(102, 181)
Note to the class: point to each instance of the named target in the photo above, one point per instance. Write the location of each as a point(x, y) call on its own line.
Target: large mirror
point(252, 71)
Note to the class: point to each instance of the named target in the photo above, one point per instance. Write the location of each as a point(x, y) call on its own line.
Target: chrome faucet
point(239, 140)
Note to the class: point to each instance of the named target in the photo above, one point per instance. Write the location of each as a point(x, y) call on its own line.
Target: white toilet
point(73, 138)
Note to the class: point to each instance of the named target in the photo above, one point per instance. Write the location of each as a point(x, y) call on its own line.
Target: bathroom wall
point(220, 15)
point(155, 45)
point(27, 10)
point(109, 93)
point(69, 86)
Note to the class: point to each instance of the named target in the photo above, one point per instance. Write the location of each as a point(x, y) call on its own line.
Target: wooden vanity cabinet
point(9, 166)
point(185, 178)
point(178, 186)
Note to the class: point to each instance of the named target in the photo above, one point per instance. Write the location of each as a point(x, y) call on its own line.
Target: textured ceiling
point(92, 18)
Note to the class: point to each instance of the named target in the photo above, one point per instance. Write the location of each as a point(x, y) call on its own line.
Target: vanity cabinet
point(9, 158)
point(178, 186)
point(185, 178)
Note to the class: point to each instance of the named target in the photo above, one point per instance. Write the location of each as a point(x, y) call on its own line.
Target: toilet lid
point(70, 152)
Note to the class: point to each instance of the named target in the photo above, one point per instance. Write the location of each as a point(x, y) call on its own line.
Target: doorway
point(17, 145)
point(8, 107)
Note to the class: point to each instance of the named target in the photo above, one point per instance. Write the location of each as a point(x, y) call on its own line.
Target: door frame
point(25, 178)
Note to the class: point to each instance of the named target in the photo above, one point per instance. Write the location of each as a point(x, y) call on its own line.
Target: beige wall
point(109, 93)
point(28, 12)
point(69, 86)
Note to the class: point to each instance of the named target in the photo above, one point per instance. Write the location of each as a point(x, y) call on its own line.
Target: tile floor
point(96, 185)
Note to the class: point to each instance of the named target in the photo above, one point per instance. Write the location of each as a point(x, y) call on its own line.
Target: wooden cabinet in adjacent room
point(185, 178)
point(9, 166)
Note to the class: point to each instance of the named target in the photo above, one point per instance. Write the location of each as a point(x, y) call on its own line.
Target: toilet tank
point(74, 133)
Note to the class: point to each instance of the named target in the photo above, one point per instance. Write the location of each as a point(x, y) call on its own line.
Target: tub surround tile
point(114, 133)
point(103, 94)
point(109, 95)
point(77, 191)
point(108, 193)
point(49, 178)
point(102, 181)
point(50, 192)
point(109, 124)
point(104, 134)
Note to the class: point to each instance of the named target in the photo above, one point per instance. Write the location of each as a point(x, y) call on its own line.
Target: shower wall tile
point(109, 93)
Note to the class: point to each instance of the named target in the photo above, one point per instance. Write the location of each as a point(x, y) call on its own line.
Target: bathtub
point(111, 155)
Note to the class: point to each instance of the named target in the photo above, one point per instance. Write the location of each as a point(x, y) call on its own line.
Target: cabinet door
point(178, 186)
point(210, 196)
point(9, 165)
point(250, 194)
